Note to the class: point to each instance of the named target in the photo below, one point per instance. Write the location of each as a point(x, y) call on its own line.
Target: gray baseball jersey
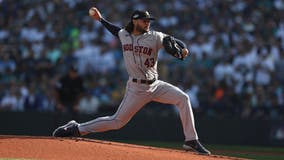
point(140, 56)
point(140, 53)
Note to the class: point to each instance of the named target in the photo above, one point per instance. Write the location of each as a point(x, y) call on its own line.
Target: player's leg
point(169, 94)
point(131, 104)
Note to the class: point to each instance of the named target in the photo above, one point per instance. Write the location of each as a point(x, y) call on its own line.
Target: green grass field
point(249, 152)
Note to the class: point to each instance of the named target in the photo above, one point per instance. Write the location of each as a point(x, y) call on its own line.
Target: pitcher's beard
point(141, 30)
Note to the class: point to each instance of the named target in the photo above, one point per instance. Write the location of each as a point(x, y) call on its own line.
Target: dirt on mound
point(48, 148)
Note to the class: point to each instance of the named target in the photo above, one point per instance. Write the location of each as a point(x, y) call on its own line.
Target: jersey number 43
point(149, 62)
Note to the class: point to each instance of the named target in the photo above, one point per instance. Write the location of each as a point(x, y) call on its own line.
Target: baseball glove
point(172, 47)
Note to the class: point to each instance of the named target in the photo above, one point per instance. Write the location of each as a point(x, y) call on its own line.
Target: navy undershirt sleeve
point(111, 27)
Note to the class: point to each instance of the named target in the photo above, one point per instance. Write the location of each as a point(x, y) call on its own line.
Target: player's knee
point(183, 98)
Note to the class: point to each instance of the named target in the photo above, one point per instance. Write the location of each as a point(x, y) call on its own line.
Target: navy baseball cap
point(140, 14)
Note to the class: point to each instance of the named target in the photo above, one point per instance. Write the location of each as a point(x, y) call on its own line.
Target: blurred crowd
point(236, 66)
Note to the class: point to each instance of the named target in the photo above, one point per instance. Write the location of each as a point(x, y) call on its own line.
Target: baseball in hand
point(92, 12)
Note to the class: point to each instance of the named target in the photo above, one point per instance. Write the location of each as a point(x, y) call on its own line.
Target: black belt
point(144, 81)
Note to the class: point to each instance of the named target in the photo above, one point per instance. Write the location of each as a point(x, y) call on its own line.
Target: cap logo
point(147, 13)
point(136, 16)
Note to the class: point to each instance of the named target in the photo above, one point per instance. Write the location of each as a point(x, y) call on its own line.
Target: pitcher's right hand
point(95, 13)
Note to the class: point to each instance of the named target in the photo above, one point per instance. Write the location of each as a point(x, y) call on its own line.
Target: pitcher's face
point(142, 25)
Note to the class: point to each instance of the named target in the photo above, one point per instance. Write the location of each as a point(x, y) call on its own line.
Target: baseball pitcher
point(140, 47)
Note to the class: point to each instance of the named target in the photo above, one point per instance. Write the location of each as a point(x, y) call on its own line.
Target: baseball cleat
point(68, 130)
point(195, 146)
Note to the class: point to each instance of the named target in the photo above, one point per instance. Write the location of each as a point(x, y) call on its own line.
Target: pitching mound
point(49, 148)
